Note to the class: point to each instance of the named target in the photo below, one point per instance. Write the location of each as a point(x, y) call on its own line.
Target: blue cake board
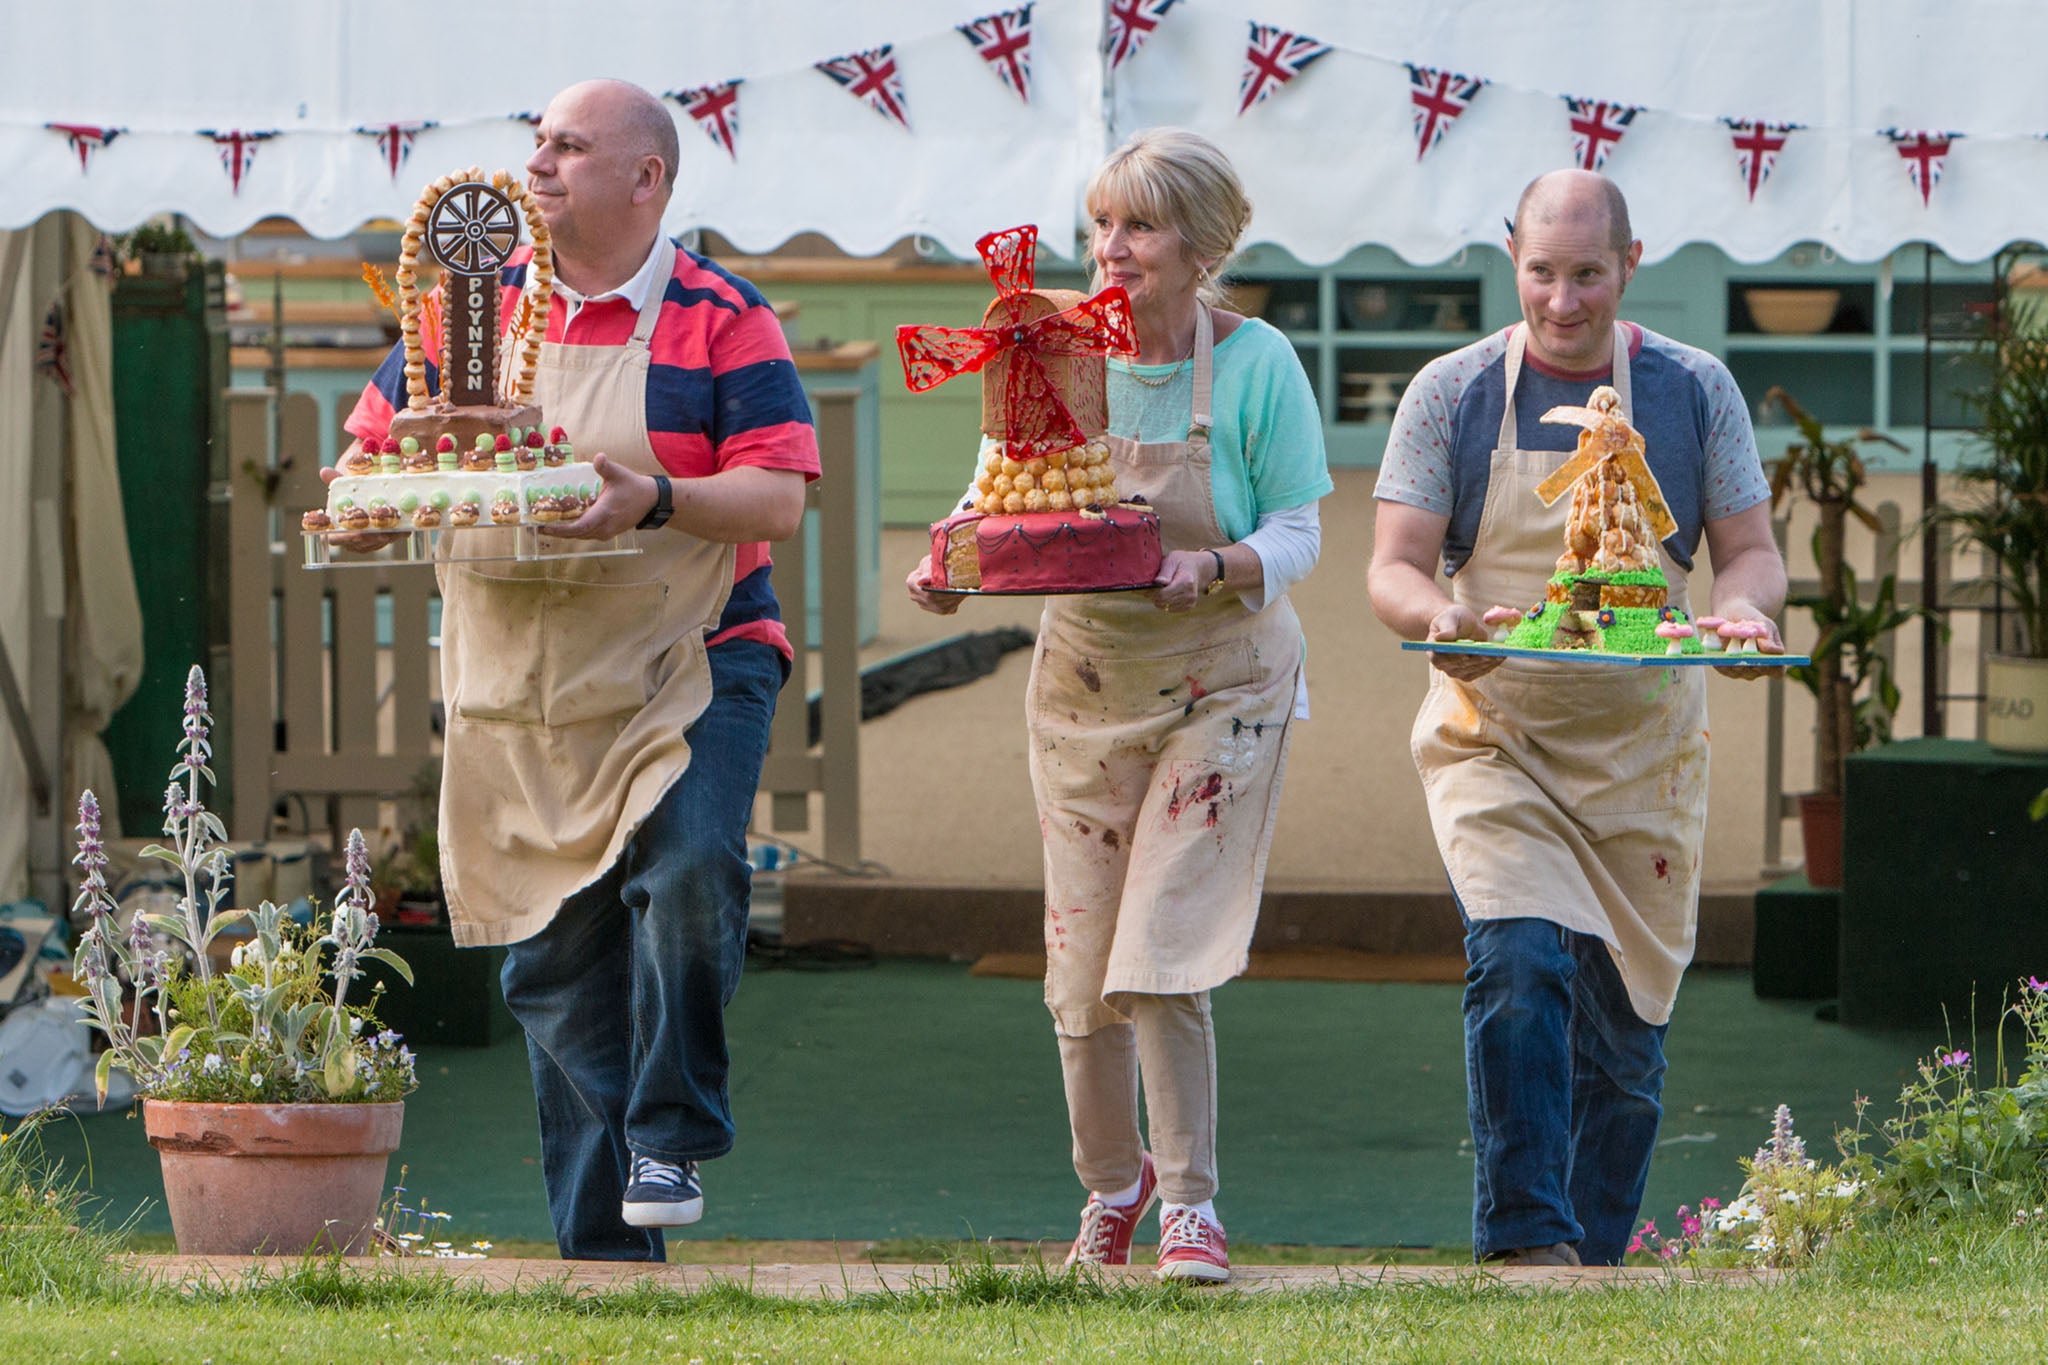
point(1719, 659)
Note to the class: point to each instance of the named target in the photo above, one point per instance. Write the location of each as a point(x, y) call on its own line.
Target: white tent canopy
point(1330, 157)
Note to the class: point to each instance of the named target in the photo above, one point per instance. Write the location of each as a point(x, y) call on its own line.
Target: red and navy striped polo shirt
point(721, 392)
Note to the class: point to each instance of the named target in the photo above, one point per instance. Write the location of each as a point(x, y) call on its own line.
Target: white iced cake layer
point(539, 496)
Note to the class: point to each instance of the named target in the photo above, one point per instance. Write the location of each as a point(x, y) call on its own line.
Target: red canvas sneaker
point(1106, 1229)
point(1192, 1247)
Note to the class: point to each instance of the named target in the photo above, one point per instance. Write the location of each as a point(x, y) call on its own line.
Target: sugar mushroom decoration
point(1711, 637)
point(1501, 622)
point(1675, 633)
point(1743, 635)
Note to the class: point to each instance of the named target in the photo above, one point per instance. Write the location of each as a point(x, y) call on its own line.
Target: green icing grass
point(1652, 577)
point(1634, 631)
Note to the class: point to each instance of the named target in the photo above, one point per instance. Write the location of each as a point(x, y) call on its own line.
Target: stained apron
point(1572, 793)
point(569, 683)
point(1158, 744)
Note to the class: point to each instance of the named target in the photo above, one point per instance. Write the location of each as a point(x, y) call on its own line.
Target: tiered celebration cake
point(1044, 515)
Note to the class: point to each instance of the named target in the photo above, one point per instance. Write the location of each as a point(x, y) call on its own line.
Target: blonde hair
point(1173, 178)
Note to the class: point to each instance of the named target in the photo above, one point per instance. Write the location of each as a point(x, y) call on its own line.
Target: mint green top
point(1267, 434)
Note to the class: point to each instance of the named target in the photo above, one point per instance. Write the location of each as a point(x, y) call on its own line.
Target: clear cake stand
point(529, 545)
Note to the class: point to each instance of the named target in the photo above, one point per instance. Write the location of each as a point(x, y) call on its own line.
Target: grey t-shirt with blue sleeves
point(1695, 426)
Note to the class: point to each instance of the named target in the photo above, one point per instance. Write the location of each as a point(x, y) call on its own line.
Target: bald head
point(637, 118)
point(1578, 199)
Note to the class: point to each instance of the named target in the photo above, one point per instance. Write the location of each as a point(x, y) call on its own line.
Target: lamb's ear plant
point(269, 1028)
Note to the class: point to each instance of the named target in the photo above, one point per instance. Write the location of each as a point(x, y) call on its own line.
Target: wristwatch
point(664, 505)
point(1216, 584)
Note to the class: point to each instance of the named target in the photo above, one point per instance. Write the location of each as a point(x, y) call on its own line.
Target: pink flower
point(2037, 985)
point(1709, 1204)
point(1689, 1225)
point(1952, 1059)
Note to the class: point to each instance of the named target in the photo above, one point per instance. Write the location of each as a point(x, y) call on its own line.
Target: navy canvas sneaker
point(662, 1194)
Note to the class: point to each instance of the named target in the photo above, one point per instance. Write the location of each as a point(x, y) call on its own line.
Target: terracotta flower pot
point(1820, 832)
point(272, 1179)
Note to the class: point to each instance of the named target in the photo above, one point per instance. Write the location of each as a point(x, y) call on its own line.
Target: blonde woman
point(1160, 722)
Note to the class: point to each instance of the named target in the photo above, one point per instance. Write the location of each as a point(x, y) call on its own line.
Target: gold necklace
point(1164, 379)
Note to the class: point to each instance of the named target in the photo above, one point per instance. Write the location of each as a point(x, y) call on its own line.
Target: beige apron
point(569, 682)
point(1158, 741)
point(1572, 793)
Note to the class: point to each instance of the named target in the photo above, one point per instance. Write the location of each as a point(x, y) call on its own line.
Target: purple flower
point(1956, 1059)
point(2037, 985)
point(195, 746)
point(357, 883)
point(91, 859)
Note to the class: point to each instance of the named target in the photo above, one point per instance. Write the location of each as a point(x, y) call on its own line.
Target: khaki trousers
point(1171, 1041)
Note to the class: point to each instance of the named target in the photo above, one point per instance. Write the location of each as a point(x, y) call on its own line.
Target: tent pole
point(45, 668)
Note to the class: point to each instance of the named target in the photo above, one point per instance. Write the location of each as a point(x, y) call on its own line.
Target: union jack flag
point(1757, 145)
point(527, 117)
point(1273, 58)
point(716, 109)
point(394, 142)
point(49, 360)
point(84, 139)
point(872, 78)
point(1596, 127)
point(1439, 97)
point(1004, 42)
point(237, 152)
point(1130, 23)
point(1924, 155)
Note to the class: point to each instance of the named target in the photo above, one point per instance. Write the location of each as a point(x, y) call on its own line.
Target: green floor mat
point(912, 1100)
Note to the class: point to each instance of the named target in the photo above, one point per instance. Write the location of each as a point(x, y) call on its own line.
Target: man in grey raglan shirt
point(1568, 801)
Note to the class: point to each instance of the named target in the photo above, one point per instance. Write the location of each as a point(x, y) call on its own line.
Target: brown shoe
point(1562, 1253)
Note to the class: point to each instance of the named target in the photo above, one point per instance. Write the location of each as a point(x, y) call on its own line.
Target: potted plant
point(1855, 696)
point(2008, 518)
point(271, 1095)
point(162, 248)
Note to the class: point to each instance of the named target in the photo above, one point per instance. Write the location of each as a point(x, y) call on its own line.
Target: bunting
point(716, 110)
point(1596, 129)
point(1757, 145)
point(84, 140)
point(105, 262)
point(237, 151)
point(1924, 154)
point(1129, 24)
point(872, 78)
point(394, 142)
point(49, 361)
point(1004, 42)
point(1439, 97)
point(1272, 59)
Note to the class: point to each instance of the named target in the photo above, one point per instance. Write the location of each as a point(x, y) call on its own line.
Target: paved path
point(785, 1280)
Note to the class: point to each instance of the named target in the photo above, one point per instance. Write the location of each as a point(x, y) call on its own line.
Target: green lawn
point(1886, 1304)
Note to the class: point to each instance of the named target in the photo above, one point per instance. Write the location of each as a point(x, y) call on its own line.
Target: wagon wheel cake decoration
point(470, 223)
point(476, 454)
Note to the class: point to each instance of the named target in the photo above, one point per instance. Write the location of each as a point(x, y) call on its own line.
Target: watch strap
point(664, 505)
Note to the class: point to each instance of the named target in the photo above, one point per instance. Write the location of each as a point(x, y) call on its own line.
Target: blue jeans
point(623, 995)
point(1564, 1081)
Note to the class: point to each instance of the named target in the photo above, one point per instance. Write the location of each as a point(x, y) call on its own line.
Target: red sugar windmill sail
point(1034, 343)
